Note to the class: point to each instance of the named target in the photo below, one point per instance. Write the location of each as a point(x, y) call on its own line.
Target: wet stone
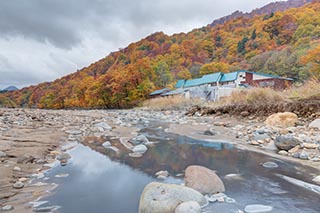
point(270, 165)
point(18, 185)
point(63, 156)
point(257, 208)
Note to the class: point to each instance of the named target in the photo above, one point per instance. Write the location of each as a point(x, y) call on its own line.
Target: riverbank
point(31, 140)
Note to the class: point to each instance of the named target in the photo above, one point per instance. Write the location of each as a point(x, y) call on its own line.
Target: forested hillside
point(284, 43)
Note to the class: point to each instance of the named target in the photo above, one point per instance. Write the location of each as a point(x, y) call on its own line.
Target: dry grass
point(261, 96)
point(253, 96)
point(170, 103)
point(310, 89)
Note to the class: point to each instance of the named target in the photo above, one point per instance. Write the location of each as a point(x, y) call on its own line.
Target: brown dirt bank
point(307, 108)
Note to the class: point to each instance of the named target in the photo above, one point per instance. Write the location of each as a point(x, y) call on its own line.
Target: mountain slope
point(9, 89)
point(265, 10)
point(284, 43)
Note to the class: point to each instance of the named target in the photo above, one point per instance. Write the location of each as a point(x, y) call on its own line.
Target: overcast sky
point(41, 40)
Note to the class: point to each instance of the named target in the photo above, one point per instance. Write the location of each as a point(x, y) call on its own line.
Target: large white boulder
point(164, 198)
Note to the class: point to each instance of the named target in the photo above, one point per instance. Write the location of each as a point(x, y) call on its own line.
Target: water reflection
point(103, 181)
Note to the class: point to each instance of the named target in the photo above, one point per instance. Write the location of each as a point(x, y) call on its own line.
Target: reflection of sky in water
point(99, 184)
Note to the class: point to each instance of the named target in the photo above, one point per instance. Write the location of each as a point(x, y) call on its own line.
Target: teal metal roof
point(193, 82)
point(234, 75)
point(174, 92)
point(158, 92)
point(206, 79)
point(180, 83)
point(211, 78)
point(229, 76)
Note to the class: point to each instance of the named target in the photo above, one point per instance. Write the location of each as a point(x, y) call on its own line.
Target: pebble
point(304, 155)
point(7, 208)
point(270, 165)
point(255, 143)
point(163, 173)
point(62, 175)
point(106, 144)
point(283, 152)
point(257, 208)
point(310, 145)
point(63, 156)
point(17, 169)
point(316, 179)
point(140, 149)
point(74, 132)
point(294, 149)
point(18, 185)
point(23, 179)
point(2, 154)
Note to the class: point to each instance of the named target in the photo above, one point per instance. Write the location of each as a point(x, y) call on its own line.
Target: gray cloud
point(45, 39)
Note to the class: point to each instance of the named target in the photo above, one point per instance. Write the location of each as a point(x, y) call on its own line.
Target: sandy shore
point(32, 139)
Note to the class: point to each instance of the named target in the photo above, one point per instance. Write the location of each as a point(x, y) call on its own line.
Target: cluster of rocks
point(283, 133)
point(200, 185)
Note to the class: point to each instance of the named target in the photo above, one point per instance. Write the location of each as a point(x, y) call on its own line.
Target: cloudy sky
point(41, 40)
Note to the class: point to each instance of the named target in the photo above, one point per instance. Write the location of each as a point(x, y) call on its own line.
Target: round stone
point(270, 165)
point(18, 185)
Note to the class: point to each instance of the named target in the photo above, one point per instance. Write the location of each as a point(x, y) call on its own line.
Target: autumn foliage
point(283, 43)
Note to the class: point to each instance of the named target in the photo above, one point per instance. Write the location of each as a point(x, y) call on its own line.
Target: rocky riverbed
point(31, 141)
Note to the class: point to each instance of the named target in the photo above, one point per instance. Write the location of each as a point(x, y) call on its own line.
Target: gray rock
point(286, 142)
point(315, 124)
point(203, 180)
point(210, 132)
point(74, 132)
point(161, 197)
point(7, 208)
point(103, 125)
point(188, 207)
point(140, 149)
point(139, 140)
point(304, 155)
point(2, 154)
point(63, 156)
point(263, 136)
point(296, 155)
point(270, 165)
point(18, 185)
point(257, 208)
point(106, 144)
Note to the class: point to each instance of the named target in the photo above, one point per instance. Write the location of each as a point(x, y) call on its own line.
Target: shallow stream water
point(109, 182)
